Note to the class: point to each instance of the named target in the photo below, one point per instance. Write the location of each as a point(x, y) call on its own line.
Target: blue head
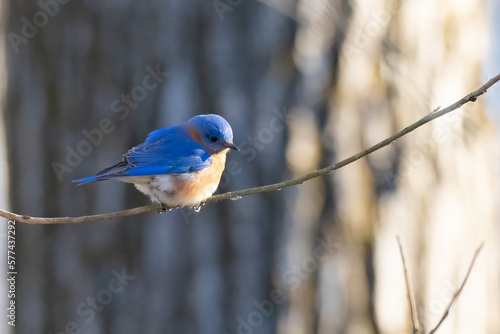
point(212, 132)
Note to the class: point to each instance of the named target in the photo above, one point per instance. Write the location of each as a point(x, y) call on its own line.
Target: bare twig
point(272, 187)
point(411, 299)
point(457, 293)
point(409, 293)
point(80, 219)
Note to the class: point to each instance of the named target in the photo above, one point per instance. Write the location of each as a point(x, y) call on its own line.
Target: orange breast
point(202, 184)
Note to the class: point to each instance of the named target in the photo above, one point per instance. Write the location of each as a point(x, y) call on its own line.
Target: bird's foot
point(162, 209)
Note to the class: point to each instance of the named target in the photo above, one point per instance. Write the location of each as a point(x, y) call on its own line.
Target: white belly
point(164, 189)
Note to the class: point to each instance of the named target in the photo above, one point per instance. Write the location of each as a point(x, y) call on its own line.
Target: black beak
point(232, 146)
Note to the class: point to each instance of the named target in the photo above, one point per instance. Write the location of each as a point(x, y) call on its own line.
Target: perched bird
point(176, 166)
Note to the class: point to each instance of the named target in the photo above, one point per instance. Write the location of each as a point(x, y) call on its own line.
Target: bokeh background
point(304, 84)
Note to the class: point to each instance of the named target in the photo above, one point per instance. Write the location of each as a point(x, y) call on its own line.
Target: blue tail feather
point(96, 178)
point(85, 180)
point(104, 174)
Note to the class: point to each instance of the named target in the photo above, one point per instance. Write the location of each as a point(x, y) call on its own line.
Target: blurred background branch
point(409, 292)
point(458, 291)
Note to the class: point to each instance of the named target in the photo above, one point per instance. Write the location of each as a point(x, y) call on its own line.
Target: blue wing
point(165, 151)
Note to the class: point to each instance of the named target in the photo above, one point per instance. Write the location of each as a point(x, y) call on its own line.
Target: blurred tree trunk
point(435, 186)
point(193, 273)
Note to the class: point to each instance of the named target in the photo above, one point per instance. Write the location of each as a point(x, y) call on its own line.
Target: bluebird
point(176, 166)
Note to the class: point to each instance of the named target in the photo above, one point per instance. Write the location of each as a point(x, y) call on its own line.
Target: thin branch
point(80, 219)
point(472, 97)
point(457, 293)
point(409, 293)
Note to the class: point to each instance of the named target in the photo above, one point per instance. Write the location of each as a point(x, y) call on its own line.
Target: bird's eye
point(213, 139)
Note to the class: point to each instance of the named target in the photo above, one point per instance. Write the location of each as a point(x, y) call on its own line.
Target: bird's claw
point(161, 210)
